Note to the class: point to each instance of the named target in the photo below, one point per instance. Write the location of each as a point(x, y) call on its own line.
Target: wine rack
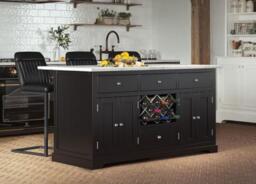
point(158, 109)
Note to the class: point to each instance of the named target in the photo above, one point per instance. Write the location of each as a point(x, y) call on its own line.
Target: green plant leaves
point(60, 37)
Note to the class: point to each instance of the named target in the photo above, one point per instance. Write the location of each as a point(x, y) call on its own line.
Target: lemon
point(118, 57)
point(125, 54)
point(104, 63)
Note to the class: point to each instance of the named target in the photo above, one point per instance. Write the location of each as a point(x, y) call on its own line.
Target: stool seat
point(37, 88)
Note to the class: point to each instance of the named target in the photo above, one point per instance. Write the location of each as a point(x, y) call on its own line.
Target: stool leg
point(46, 124)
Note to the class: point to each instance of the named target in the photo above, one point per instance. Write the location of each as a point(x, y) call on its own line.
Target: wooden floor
point(234, 164)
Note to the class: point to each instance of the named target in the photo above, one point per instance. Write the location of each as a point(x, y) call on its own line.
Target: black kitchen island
point(112, 115)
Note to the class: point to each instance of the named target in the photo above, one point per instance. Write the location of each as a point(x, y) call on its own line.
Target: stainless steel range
point(19, 113)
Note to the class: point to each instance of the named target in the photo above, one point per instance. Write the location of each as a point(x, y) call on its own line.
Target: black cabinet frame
point(97, 124)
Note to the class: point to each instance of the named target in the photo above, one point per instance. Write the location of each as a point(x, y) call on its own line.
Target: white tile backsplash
point(25, 27)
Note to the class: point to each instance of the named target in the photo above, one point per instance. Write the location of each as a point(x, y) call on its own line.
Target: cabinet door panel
point(186, 120)
point(197, 117)
point(108, 133)
point(116, 121)
point(229, 84)
point(126, 113)
point(248, 86)
point(204, 122)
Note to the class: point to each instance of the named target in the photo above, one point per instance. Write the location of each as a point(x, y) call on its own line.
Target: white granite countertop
point(118, 69)
point(64, 63)
point(48, 63)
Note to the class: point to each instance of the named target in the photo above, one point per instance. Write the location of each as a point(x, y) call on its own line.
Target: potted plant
point(61, 38)
point(107, 16)
point(124, 18)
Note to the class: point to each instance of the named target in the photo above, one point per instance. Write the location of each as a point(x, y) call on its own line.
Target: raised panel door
point(204, 116)
point(186, 124)
point(248, 86)
point(126, 113)
point(116, 121)
point(229, 85)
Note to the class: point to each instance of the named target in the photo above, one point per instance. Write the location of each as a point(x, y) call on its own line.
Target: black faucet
point(106, 49)
point(117, 36)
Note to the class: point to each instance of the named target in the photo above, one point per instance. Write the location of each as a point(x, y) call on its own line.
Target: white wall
point(217, 29)
point(25, 27)
point(166, 28)
point(172, 29)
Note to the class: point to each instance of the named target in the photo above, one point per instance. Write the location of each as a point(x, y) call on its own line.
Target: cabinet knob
point(198, 117)
point(196, 80)
point(119, 83)
point(159, 137)
point(121, 124)
point(159, 82)
point(116, 125)
point(194, 118)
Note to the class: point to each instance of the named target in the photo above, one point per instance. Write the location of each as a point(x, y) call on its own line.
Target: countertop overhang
point(48, 63)
point(93, 68)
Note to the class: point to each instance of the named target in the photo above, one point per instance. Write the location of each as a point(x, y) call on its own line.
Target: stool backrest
point(26, 64)
point(131, 53)
point(80, 58)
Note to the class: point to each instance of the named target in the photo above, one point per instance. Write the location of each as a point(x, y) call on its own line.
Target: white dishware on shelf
point(250, 6)
point(234, 6)
point(242, 6)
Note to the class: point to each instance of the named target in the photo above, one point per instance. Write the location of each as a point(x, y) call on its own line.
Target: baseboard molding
point(235, 115)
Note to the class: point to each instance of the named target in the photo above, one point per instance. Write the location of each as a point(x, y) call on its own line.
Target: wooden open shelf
point(76, 2)
point(76, 25)
point(32, 1)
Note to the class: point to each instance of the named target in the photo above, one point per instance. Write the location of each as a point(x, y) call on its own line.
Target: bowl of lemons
point(122, 60)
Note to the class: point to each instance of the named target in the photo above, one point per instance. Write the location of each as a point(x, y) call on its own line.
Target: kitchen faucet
point(107, 38)
point(117, 36)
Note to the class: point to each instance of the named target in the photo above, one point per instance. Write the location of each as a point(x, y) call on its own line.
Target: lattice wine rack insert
point(158, 109)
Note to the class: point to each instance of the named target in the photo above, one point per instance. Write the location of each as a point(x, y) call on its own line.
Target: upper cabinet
point(241, 28)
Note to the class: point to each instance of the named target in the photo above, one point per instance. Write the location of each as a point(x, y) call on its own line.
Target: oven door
point(20, 107)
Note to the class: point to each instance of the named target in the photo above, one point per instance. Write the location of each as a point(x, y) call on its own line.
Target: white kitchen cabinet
point(236, 89)
point(249, 85)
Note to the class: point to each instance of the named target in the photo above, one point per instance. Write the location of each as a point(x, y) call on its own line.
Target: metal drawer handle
point(119, 83)
point(196, 80)
point(121, 124)
point(159, 82)
point(159, 137)
point(116, 125)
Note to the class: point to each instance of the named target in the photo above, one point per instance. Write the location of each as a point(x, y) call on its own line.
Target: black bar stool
point(80, 58)
point(37, 82)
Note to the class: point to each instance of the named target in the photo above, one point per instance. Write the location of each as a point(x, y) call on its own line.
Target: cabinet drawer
point(118, 83)
point(158, 136)
point(158, 82)
point(195, 80)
